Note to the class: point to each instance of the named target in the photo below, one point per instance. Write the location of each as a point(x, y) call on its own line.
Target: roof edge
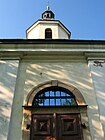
point(51, 41)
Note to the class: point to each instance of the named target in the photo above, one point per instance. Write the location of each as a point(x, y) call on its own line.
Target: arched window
point(54, 96)
point(48, 33)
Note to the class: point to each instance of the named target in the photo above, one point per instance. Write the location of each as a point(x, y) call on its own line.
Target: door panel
point(42, 127)
point(56, 127)
point(69, 127)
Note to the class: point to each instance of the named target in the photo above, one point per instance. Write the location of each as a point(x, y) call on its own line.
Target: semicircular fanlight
point(54, 96)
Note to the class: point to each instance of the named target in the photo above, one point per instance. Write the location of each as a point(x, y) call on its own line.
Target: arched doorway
point(55, 112)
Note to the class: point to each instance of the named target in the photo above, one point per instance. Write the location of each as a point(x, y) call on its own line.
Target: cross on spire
point(48, 6)
point(48, 3)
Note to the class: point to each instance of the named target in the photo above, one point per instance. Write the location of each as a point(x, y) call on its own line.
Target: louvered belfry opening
point(48, 33)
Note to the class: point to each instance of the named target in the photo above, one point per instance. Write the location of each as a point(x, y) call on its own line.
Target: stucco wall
point(8, 75)
point(98, 77)
point(32, 74)
point(38, 31)
point(34, 33)
point(62, 34)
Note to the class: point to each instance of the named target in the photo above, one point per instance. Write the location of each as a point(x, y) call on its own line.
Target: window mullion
point(60, 99)
point(49, 98)
point(43, 98)
point(55, 98)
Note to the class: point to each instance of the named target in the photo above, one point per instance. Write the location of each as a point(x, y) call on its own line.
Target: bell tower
point(48, 28)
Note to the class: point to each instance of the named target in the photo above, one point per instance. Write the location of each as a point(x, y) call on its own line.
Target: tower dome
point(48, 14)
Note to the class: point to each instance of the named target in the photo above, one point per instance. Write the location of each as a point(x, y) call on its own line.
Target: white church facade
point(52, 87)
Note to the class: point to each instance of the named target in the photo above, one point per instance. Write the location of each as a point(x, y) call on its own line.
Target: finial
point(48, 6)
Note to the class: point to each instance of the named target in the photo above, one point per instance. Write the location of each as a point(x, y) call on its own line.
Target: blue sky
point(84, 18)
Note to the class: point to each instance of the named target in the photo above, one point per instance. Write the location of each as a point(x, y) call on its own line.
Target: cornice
point(41, 47)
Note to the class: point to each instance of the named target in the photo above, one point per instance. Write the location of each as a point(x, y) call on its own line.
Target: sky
point(84, 18)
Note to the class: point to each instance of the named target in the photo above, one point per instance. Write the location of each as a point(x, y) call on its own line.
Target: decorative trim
point(79, 97)
point(99, 63)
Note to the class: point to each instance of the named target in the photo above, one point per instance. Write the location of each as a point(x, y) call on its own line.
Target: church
point(51, 86)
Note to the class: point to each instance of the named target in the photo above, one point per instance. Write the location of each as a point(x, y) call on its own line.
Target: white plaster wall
point(15, 131)
point(98, 77)
point(32, 74)
point(8, 75)
point(62, 34)
point(34, 33)
point(38, 31)
point(75, 73)
point(53, 28)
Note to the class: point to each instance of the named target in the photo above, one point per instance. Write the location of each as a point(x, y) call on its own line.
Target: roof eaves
point(51, 41)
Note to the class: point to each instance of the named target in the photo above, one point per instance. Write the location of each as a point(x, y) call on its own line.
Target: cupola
point(48, 28)
point(48, 14)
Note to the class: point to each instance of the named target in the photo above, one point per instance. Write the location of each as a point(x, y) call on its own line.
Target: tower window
point(48, 33)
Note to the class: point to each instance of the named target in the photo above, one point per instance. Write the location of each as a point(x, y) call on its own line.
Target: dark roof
point(46, 12)
point(51, 41)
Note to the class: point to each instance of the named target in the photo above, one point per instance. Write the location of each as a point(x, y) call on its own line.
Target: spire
point(48, 6)
point(48, 14)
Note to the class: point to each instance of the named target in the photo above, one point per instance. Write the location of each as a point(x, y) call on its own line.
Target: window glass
point(54, 96)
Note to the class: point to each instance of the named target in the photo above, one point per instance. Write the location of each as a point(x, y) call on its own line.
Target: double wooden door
point(56, 127)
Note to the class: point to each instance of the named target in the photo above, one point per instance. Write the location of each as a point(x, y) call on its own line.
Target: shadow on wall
point(78, 74)
point(8, 71)
point(98, 76)
point(66, 72)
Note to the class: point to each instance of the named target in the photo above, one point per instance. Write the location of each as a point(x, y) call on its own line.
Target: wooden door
point(69, 127)
point(42, 127)
point(56, 127)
